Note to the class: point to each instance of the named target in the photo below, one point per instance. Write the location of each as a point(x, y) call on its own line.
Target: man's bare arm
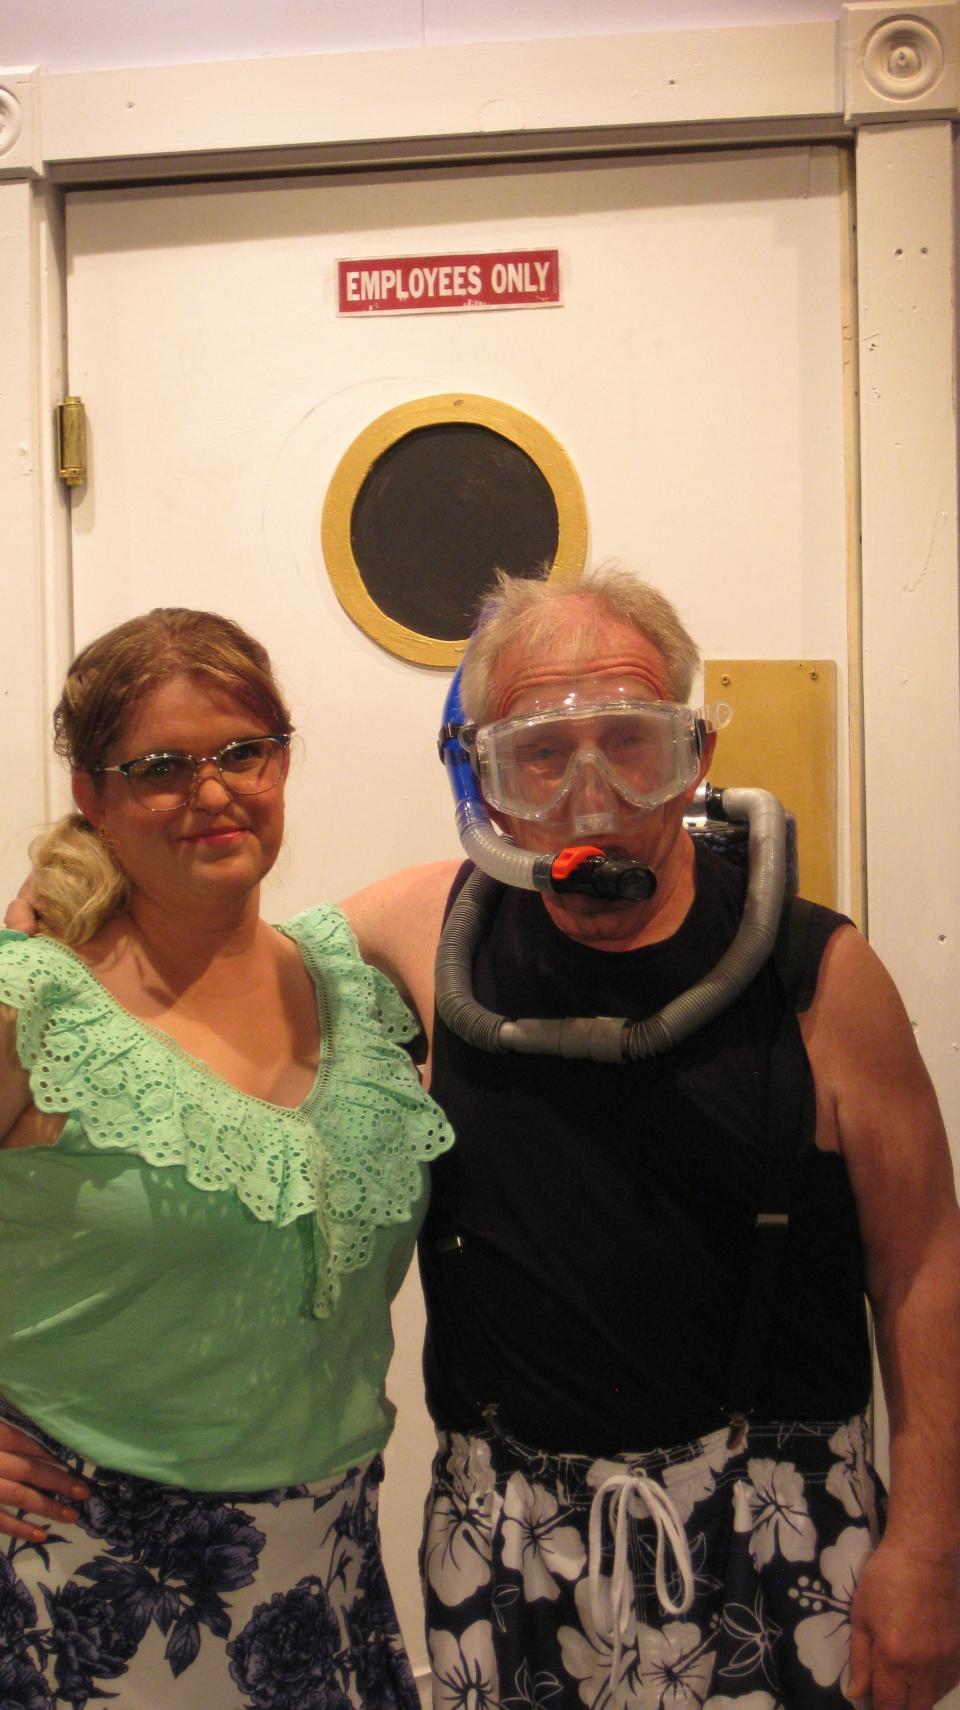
point(877, 1105)
point(397, 924)
point(21, 916)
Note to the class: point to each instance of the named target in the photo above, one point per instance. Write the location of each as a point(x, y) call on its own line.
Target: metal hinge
point(72, 442)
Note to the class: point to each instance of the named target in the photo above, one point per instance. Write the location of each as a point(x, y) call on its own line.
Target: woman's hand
point(26, 1472)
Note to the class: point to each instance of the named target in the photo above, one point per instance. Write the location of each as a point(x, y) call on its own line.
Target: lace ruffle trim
point(349, 1156)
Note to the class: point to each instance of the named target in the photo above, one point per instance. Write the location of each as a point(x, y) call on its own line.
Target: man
point(601, 1532)
point(587, 1248)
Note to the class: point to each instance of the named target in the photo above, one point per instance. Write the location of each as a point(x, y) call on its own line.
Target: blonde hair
point(532, 616)
point(77, 886)
point(77, 883)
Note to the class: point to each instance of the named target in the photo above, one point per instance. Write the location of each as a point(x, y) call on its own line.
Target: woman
point(212, 1169)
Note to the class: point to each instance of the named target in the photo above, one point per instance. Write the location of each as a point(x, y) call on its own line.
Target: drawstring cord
point(618, 1489)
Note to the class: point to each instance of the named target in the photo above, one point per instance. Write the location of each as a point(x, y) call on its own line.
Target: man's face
point(623, 665)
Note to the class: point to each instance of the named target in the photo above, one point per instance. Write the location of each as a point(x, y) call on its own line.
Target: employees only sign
point(417, 284)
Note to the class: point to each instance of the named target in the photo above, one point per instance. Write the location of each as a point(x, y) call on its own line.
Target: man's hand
point(905, 1643)
point(26, 1471)
point(21, 916)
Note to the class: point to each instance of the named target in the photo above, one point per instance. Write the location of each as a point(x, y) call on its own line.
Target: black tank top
point(605, 1211)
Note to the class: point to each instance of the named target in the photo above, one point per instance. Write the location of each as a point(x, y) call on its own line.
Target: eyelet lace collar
point(349, 1156)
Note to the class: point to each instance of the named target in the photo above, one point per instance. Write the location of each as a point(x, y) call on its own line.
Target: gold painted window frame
point(441, 409)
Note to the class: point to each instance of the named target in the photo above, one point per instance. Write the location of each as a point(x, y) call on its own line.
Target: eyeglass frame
point(198, 761)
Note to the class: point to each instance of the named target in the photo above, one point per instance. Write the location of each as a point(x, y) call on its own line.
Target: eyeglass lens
point(168, 780)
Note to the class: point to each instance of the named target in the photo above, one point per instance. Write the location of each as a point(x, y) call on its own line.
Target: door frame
point(566, 98)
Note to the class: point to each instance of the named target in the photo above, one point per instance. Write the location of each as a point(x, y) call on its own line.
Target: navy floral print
point(527, 1607)
point(275, 1600)
point(287, 1653)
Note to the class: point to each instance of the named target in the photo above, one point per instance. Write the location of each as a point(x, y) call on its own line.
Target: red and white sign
point(416, 284)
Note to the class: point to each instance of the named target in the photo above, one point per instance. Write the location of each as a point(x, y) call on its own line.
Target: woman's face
point(217, 845)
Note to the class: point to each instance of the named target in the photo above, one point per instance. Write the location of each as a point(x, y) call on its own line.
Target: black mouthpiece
point(609, 876)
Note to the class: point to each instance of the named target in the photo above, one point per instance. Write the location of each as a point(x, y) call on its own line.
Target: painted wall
point(100, 34)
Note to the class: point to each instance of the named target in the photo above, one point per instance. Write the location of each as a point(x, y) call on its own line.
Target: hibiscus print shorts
point(161, 1597)
point(771, 1530)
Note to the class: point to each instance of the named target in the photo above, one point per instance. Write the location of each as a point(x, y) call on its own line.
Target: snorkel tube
point(582, 868)
point(604, 1039)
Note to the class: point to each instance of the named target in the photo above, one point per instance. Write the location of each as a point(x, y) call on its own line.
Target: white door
point(693, 372)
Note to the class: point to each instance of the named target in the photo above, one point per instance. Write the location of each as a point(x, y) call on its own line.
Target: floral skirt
point(166, 1599)
point(714, 1575)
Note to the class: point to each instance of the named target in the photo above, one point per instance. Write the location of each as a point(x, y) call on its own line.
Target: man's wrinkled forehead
point(620, 663)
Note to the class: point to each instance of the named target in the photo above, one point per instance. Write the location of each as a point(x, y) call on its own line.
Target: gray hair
point(534, 615)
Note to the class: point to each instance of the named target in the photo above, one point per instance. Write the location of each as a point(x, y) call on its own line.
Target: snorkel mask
point(646, 753)
point(637, 754)
point(590, 766)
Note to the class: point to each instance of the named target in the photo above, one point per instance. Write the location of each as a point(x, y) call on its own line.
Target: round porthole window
point(429, 502)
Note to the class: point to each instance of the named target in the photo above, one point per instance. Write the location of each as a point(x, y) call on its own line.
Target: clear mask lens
point(586, 761)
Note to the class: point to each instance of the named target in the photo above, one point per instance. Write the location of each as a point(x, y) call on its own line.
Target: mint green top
point(195, 1285)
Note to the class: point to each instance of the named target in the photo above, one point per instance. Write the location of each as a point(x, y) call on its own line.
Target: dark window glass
point(439, 512)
